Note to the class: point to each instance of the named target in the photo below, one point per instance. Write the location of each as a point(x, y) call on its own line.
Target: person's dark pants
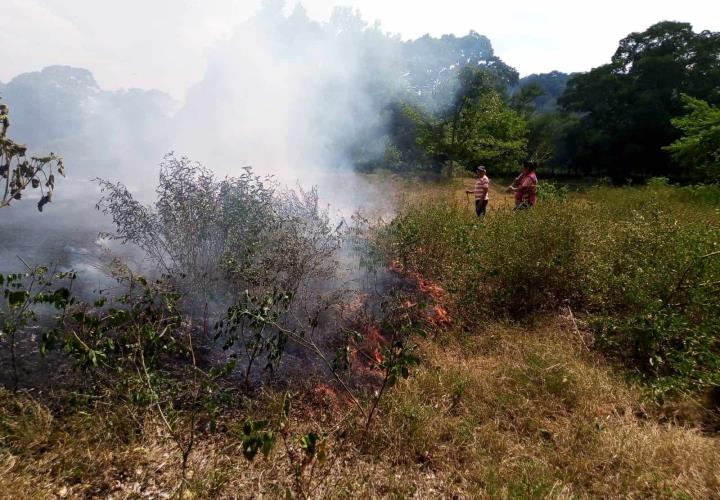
point(481, 207)
point(523, 206)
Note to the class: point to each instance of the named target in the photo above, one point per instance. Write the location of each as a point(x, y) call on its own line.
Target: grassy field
point(539, 384)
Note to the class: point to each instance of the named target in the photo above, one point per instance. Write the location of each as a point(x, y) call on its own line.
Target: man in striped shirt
point(481, 192)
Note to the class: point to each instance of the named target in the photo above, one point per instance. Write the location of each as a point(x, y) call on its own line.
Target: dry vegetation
point(495, 410)
point(507, 412)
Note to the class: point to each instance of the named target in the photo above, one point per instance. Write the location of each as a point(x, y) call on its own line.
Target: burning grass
point(493, 411)
point(506, 412)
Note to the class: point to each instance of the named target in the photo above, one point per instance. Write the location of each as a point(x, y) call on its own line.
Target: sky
point(163, 43)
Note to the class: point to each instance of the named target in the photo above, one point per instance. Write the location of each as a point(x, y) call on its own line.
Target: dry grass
point(508, 412)
point(504, 412)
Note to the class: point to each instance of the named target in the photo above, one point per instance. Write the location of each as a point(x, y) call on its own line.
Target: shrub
point(216, 236)
point(658, 182)
point(700, 193)
point(17, 173)
point(549, 191)
point(508, 266)
point(644, 266)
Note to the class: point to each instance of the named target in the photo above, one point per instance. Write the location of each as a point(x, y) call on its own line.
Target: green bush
point(658, 182)
point(701, 193)
point(549, 191)
point(640, 262)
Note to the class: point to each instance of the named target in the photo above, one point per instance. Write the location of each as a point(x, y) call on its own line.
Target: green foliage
point(551, 192)
point(398, 360)
point(698, 150)
point(644, 266)
point(478, 126)
point(627, 105)
point(524, 99)
point(256, 437)
point(552, 85)
point(432, 65)
point(23, 295)
point(707, 194)
point(252, 321)
point(487, 131)
point(18, 172)
point(109, 339)
point(547, 138)
point(658, 182)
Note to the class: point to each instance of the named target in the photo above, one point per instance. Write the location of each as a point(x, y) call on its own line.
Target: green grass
point(638, 263)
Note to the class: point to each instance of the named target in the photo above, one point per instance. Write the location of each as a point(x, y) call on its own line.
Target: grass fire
point(324, 260)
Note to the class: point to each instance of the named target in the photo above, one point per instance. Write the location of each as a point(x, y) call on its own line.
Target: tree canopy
point(698, 150)
point(626, 106)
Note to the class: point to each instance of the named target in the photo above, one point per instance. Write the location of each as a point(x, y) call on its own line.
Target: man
point(525, 186)
point(481, 192)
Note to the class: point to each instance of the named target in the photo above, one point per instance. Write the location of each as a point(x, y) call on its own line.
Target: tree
point(547, 137)
point(432, 64)
point(486, 130)
point(18, 172)
point(552, 86)
point(479, 126)
point(412, 140)
point(698, 150)
point(525, 99)
point(627, 105)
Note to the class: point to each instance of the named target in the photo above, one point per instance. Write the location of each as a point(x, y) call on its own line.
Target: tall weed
point(641, 263)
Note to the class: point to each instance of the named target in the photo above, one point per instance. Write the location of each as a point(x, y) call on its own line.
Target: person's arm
point(515, 184)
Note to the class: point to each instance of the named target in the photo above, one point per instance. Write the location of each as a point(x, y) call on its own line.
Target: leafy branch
point(17, 172)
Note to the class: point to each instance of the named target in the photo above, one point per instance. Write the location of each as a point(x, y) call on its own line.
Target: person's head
point(481, 171)
point(529, 166)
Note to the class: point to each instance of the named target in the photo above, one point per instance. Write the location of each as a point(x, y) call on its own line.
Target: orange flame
point(441, 315)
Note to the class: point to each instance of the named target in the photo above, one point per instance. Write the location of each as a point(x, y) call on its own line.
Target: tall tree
point(698, 150)
point(627, 105)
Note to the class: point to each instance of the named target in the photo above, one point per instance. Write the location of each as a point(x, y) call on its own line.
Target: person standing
point(481, 192)
point(525, 186)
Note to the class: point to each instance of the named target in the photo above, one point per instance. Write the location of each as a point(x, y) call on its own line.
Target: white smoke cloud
point(289, 96)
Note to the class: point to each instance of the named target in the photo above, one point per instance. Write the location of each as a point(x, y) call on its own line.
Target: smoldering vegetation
point(248, 263)
point(284, 96)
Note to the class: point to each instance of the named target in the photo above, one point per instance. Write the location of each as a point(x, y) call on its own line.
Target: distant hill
point(553, 84)
point(63, 109)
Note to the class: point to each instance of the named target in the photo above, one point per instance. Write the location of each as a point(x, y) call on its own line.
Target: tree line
point(444, 103)
point(652, 111)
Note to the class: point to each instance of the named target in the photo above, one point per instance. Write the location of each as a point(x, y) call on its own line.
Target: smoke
point(294, 98)
point(288, 96)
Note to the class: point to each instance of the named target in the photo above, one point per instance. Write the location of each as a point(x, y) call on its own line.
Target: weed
point(642, 265)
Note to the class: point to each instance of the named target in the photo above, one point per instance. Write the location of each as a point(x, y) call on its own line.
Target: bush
point(225, 236)
point(700, 193)
point(658, 182)
point(644, 267)
point(548, 191)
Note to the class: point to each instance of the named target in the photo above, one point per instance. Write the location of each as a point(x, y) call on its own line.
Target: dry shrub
point(221, 236)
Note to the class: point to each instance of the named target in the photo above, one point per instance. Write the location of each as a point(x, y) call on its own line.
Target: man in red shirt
point(525, 186)
point(481, 192)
